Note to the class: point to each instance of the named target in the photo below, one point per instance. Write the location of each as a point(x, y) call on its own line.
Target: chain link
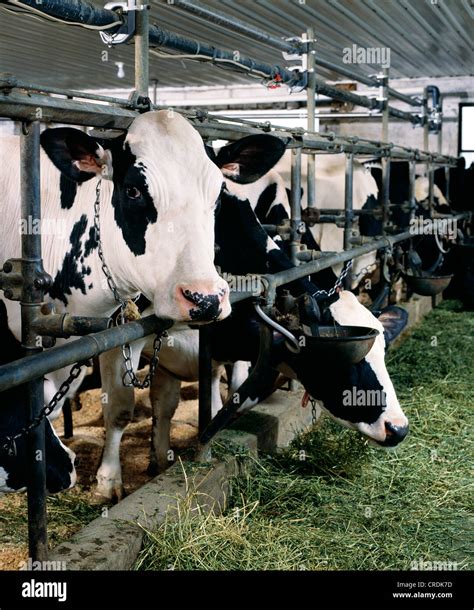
point(339, 281)
point(10, 446)
point(129, 378)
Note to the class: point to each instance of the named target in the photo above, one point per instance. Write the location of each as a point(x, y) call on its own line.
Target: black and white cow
point(244, 247)
point(158, 194)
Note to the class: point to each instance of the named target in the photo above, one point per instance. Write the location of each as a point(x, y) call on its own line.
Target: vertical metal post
point(348, 214)
point(205, 379)
point(385, 192)
point(32, 293)
point(311, 109)
point(412, 178)
point(385, 110)
point(295, 203)
point(142, 50)
point(348, 208)
point(426, 132)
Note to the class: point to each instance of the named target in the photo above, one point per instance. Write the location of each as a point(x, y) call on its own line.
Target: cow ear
point(250, 158)
point(75, 154)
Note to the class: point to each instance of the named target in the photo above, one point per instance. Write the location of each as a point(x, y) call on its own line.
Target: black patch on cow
point(68, 190)
point(267, 197)
point(368, 224)
point(91, 243)
point(328, 382)
point(132, 215)
point(69, 276)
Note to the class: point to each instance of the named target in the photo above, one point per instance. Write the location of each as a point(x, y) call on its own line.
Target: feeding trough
point(346, 344)
point(427, 285)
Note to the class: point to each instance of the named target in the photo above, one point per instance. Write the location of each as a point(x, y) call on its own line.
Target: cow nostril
point(394, 434)
point(192, 297)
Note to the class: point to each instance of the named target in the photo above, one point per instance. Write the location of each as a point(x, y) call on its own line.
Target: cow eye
point(132, 192)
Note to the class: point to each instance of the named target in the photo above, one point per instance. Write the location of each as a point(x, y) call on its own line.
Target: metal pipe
point(142, 50)
point(205, 378)
point(236, 25)
point(21, 107)
point(295, 203)
point(348, 188)
point(385, 114)
point(79, 12)
point(32, 295)
point(38, 365)
point(385, 193)
point(65, 325)
point(311, 109)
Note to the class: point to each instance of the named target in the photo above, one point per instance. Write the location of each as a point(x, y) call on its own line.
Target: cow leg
point(164, 398)
point(118, 403)
point(216, 399)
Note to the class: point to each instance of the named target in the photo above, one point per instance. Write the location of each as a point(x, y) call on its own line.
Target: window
point(466, 133)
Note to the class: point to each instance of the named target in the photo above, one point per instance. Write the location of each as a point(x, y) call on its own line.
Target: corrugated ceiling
point(426, 37)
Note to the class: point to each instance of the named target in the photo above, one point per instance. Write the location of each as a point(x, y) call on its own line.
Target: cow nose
point(394, 434)
point(201, 304)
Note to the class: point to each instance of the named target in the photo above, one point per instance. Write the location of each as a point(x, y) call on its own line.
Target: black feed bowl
point(428, 286)
point(344, 344)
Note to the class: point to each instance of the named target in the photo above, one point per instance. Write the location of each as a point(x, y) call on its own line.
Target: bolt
point(48, 341)
point(8, 294)
point(7, 267)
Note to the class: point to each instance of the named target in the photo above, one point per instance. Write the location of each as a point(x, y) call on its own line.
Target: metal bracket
point(127, 30)
point(12, 280)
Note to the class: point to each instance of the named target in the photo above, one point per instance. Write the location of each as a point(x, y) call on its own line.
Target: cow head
point(359, 396)
point(157, 212)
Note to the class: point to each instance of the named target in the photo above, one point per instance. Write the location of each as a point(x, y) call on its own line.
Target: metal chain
point(10, 446)
point(339, 281)
point(129, 378)
point(314, 410)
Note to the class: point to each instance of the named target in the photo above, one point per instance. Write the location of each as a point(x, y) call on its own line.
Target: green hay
point(68, 512)
point(332, 501)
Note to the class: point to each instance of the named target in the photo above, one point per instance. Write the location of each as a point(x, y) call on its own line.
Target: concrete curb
point(113, 542)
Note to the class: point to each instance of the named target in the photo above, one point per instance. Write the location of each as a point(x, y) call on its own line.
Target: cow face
point(157, 212)
point(359, 396)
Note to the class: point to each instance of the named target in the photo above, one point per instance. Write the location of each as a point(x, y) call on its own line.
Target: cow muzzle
point(394, 434)
point(203, 301)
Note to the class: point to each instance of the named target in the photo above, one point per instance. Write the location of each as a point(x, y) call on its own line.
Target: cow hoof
point(110, 491)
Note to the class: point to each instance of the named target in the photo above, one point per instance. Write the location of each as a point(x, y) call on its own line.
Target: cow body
point(157, 198)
